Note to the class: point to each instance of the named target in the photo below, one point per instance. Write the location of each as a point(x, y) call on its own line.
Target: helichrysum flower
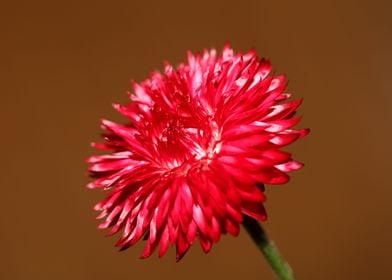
point(201, 141)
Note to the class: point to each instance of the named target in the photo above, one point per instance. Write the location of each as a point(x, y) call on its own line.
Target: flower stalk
point(281, 268)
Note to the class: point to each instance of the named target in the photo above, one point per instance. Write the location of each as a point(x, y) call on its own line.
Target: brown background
point(64, 62)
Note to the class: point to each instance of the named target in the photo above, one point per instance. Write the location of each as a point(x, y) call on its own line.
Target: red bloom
point(201, 142)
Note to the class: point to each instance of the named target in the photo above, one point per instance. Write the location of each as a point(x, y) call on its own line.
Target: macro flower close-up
point(200, 142)
point(196, 140)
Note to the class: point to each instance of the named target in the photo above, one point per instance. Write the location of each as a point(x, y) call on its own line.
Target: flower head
point(201, 141)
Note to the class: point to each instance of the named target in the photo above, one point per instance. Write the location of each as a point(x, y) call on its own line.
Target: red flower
point(201, 142)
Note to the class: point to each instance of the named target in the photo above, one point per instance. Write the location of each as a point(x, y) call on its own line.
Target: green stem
point(268, 248)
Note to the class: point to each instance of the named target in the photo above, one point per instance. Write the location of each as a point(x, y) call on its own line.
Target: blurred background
point(64, 62)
